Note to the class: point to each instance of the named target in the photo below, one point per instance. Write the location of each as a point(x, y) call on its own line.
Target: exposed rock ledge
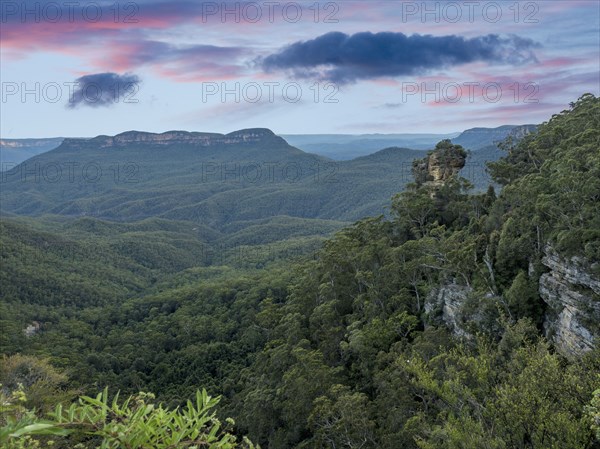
point(570, 289)
point(444, 305)
point(464, 311)
point(572, 293)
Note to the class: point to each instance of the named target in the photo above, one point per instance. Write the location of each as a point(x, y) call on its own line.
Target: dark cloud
point(103, 90)
point(344, 58)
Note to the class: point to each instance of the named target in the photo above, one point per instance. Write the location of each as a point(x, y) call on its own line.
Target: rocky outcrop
point(32, 329)
point(128, 138)
point(570, 289)
point(463, 310)
point(444, 165)
point(440, 165)
point(572, 293)
point(444, 306)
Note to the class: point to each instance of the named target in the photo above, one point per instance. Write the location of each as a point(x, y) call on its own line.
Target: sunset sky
point(86, 68)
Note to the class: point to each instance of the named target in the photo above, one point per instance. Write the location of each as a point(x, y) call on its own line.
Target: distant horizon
point(274, 132)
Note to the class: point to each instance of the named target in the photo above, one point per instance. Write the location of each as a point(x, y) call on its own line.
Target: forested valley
point(441, 324)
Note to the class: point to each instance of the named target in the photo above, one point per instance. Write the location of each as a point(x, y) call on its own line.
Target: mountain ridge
point(339, 147)
point(481, 137)
point(175, 137)
point(209, 177)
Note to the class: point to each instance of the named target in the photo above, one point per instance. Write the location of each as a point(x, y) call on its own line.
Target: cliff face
point(444, 306)
point(570, 289)
point(573, 296)
point(177, 137)
point(463, 310)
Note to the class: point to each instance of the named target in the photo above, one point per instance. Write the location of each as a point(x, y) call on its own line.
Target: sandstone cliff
point(444, 306)
point(463, 310)
point(572, 293)
point(570, 289)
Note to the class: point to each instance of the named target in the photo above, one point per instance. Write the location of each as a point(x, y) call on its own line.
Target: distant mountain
point(339, 147)
point(15, 151)
point(208, 178)
point(346, 146)
point(476, 138)
point(483, 146)
point(231, 187)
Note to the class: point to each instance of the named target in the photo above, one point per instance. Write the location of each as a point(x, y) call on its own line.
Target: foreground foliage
point(137, 422)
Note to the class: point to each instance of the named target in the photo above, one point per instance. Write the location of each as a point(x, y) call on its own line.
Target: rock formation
point(570, 289)
point(444, 304)
point(572, 293)
point(440, 165)
point(463, 310)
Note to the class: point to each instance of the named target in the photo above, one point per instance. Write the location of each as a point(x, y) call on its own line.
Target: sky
point(85, 68)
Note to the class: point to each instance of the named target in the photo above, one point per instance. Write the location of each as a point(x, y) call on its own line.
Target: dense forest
point(426, 328)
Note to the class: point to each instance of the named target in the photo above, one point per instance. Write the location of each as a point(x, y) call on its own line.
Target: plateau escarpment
point(254, 135)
